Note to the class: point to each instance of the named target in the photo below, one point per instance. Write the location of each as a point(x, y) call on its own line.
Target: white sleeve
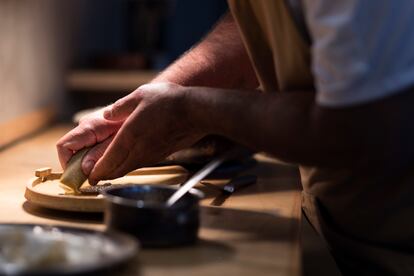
point(362, 50)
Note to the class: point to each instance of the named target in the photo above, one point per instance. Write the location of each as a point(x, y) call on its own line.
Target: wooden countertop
point(254, 232)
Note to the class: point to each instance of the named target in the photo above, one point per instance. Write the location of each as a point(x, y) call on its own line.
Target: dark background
point(157, 30)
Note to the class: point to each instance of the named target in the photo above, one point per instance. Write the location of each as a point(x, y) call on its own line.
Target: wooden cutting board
point(44, 190)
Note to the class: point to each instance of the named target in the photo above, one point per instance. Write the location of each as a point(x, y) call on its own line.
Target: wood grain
point(254, 232)
point(45, 189)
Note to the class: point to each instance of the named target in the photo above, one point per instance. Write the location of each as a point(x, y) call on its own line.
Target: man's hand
point(93, 130)
point(154, 125)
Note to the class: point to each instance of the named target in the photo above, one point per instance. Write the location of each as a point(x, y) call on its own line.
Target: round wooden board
point(49, 194)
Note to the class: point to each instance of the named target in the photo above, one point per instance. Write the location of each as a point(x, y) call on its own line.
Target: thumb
point(121, 109)
point(93, 155)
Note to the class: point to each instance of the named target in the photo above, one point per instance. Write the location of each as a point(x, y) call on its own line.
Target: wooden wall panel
point(34, 50)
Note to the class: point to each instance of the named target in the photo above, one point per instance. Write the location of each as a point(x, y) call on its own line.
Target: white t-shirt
point(362, 50)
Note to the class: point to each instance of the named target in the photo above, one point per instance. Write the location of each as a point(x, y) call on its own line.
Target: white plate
point(52, 250)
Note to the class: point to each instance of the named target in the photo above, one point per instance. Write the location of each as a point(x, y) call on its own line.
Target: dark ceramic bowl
point(141, 210)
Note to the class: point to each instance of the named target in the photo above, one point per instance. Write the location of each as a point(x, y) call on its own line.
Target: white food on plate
point(22, 250)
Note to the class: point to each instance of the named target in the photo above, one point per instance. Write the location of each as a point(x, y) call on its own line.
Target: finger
point(81, 137)
point(125, 168)
point(94, 154)
point(64, 154)
point(117, 153)
point(139, 157)
point(73, 141)
point(121, 109)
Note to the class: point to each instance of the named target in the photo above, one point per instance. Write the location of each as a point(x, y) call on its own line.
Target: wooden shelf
point(109, 81)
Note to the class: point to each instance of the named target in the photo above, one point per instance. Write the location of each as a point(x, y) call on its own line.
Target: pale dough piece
point(73, 177)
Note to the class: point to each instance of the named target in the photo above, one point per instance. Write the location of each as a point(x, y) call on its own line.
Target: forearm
point(220, 60)
point(274, 123)
point(290, 126)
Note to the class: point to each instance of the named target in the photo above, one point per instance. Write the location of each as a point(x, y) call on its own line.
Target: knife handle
point(239, 182)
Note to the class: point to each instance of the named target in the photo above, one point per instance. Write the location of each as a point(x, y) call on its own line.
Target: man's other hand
point(93, 131)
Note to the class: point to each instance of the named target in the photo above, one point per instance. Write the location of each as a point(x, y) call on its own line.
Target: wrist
point(198, 110)
point(223, 112)
point(211, 111)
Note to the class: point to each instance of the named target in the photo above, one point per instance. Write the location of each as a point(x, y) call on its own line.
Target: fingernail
point(87, 167)
point(92, 182)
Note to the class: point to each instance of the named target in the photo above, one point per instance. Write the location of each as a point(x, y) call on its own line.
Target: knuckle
point(137, 94)
point(91, 116)
point(141, 88)
point(116, 107)
point(84, 119)
point(89, 130)
point(171, 85)
point(123, 105)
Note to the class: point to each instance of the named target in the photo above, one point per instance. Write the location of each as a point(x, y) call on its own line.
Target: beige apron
point(365, 216)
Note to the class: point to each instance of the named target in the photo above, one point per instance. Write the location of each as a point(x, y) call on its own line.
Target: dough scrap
point(73, 177)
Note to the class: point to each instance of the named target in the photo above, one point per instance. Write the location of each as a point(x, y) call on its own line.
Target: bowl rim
point(130, 247)
point(119, 200)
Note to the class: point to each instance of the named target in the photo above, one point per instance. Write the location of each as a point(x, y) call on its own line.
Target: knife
point(234, 185)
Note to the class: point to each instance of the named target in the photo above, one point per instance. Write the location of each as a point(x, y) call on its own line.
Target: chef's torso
point(363, 215)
